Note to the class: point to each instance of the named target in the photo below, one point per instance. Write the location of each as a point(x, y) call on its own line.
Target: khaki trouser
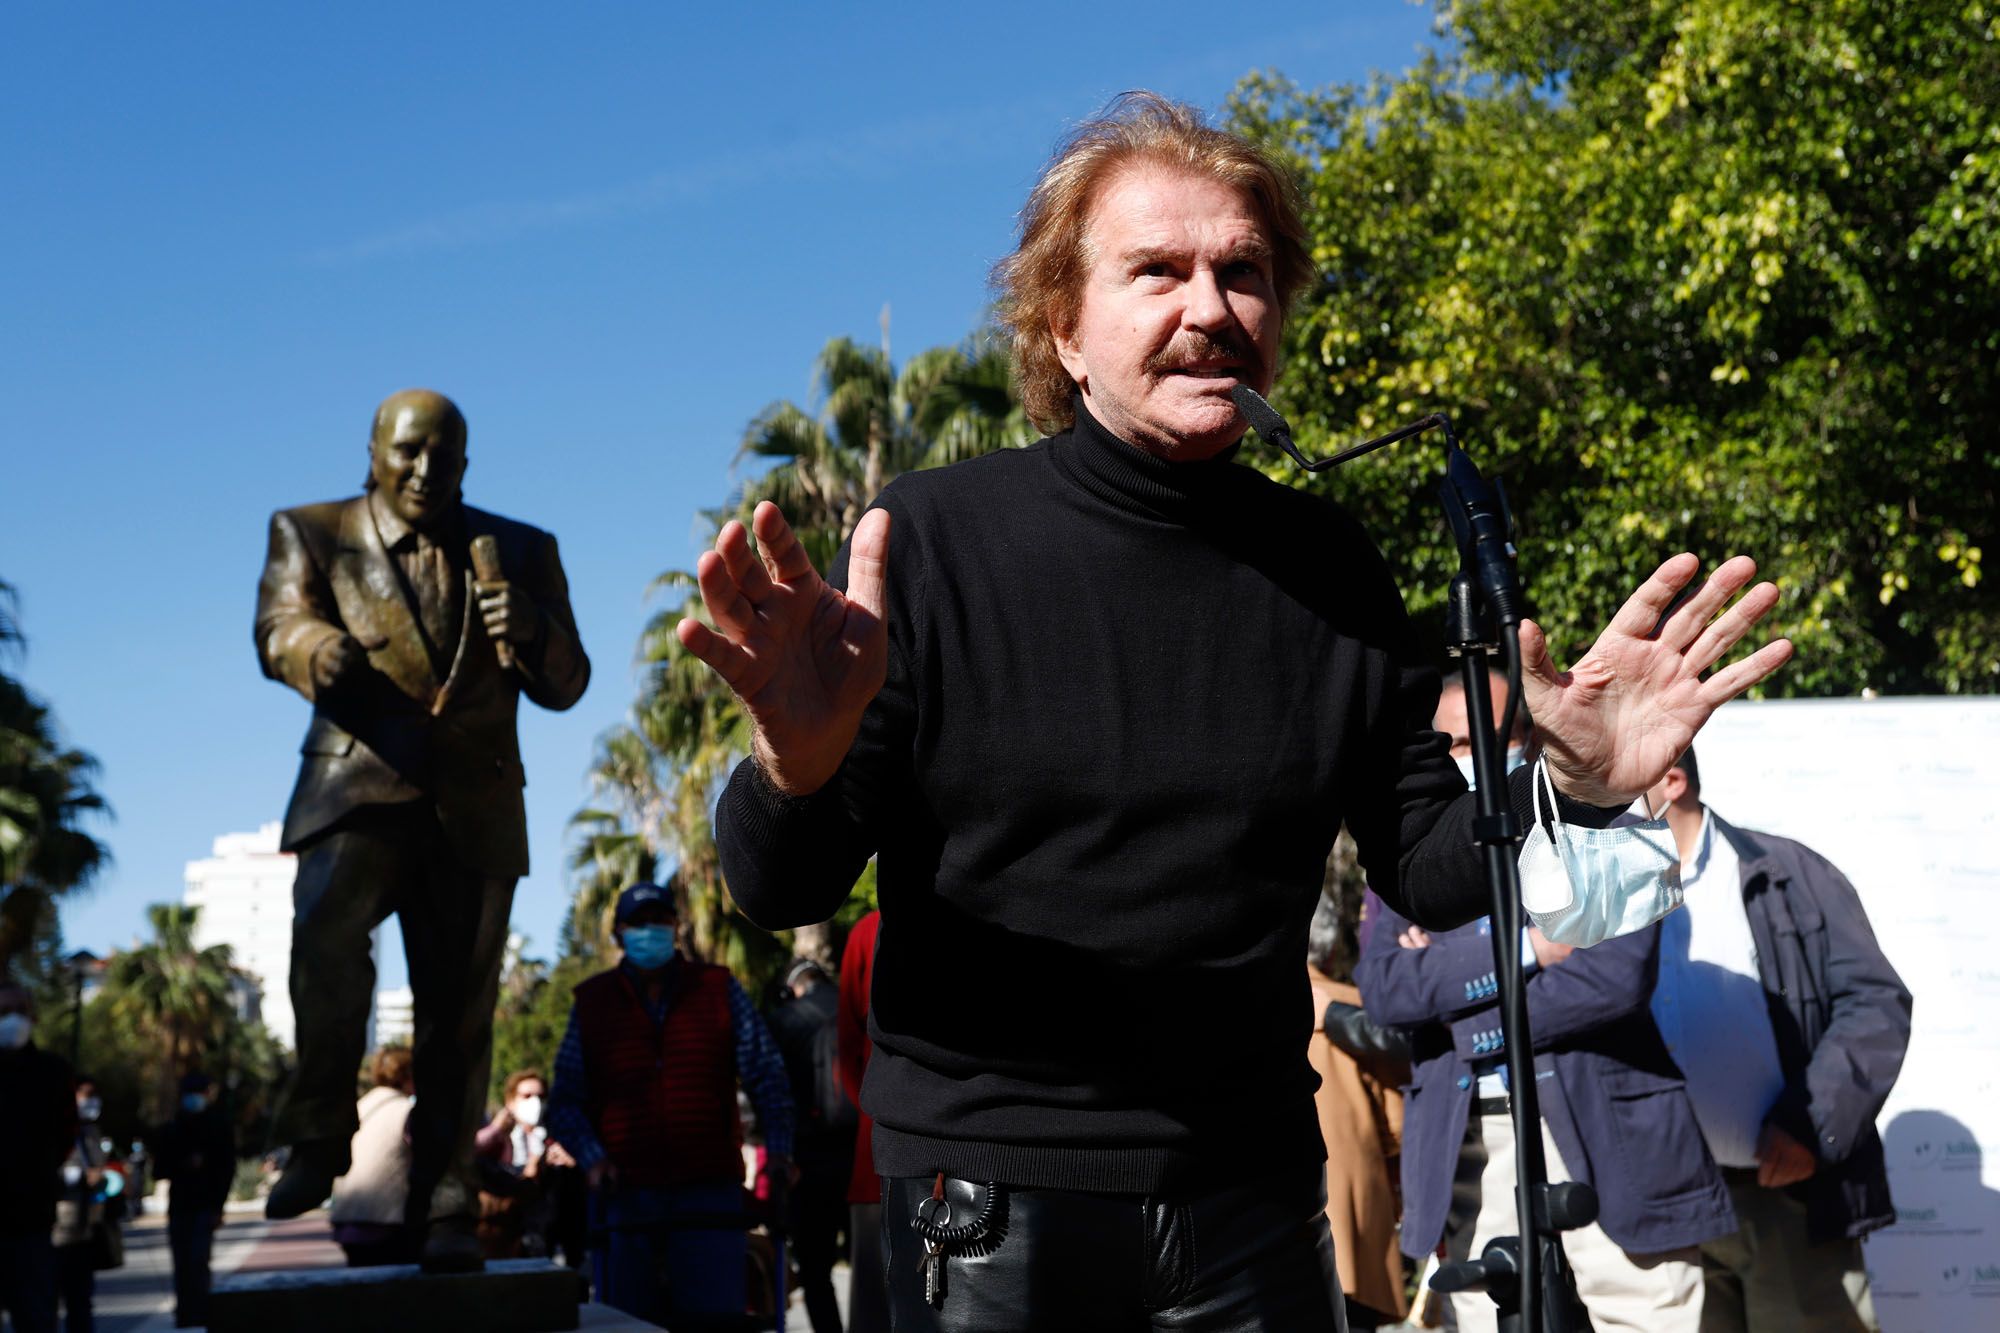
point(1647, 1293)
point(1768, 1278)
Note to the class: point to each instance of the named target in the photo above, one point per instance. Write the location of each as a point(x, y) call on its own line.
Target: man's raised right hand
point(804, 658)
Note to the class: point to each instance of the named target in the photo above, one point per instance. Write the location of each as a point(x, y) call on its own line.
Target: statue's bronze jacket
point(402, 733)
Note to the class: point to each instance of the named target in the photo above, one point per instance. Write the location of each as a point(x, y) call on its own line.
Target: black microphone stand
point(1531, 1284)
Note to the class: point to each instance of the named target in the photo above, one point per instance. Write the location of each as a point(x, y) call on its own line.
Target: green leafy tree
point(165, 1008)
point(179, 999)
point(533, 1014)
point(1714, 275)
point(47, 794)
point(606, 859)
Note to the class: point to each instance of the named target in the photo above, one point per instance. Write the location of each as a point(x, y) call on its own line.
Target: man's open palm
point(804, 658)
point(1613, 724)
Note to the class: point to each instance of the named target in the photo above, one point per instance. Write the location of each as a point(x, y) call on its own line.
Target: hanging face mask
point(1516, 756)
point(649, 946)
point(14, 1030)
point(1584, 885)
point(528, 1110)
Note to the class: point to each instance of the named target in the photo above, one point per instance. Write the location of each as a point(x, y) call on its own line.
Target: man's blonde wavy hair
point(1041, 283)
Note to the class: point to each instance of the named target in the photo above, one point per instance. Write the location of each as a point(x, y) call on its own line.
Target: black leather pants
point(1247, 1257)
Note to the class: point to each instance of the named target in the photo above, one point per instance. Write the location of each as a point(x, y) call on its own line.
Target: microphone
point(1264, 419)
point(1484, 526)
point(1475, 507)
point(486, 568)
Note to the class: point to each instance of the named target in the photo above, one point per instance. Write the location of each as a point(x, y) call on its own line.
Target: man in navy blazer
point(1615, 1111)
point(1791, 1027)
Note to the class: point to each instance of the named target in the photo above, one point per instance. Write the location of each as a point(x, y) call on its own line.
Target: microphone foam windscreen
point(1263, 418)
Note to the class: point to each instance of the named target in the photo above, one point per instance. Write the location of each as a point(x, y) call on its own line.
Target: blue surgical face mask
point(14, 1031)
point(194, 1103)
point(649, 946)
point(1516, 756)
point(1583, 885)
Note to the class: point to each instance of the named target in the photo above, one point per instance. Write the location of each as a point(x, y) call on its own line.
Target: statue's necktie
point(437, 586)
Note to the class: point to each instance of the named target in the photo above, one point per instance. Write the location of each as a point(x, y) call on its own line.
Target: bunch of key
point(958, 1218)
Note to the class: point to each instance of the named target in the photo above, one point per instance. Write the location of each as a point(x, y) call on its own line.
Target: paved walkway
point(139, 1297)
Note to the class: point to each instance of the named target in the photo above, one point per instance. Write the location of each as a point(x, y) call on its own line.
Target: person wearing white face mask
point(1615, 1111)
point(80, 1213)
point(520, 1172)
point(38, 1125)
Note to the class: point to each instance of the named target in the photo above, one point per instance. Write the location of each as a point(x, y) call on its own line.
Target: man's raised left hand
point(1613, 724)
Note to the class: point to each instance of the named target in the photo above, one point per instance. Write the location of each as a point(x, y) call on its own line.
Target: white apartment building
point(395, 1018)
point(244, 891)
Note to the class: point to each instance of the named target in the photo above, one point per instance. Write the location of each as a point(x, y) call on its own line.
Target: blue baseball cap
point(639, 897)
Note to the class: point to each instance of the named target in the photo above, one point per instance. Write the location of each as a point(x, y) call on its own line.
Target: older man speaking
point(1099, 707)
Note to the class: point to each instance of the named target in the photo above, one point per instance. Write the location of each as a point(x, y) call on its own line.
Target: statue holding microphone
point(413, 623)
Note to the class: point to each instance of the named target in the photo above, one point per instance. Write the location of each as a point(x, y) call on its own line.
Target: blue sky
point(612, 232)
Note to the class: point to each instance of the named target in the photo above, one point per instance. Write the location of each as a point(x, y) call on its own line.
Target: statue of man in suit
point(409, 794)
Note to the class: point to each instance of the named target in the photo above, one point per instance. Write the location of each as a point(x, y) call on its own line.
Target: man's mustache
point(1195, 347)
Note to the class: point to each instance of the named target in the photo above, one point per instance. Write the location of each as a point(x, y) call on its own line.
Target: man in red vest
point(645, 1100)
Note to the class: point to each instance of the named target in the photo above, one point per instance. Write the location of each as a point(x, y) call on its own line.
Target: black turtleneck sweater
point(1129, 704)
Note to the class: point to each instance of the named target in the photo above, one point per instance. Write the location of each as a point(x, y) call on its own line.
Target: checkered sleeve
point(762, 1070)
point(569, 1118)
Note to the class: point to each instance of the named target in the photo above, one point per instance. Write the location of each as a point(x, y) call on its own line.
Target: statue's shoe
point(452, 1246)
point(308, 1179)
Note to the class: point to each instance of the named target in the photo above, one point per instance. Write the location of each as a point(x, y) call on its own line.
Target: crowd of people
point(684, 1152)
point(1715, 1075)
point(64, 1197)
point(632, 1162)
point(1097, 710)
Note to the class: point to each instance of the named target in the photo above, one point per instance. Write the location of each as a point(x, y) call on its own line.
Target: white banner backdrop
point(1904, 796)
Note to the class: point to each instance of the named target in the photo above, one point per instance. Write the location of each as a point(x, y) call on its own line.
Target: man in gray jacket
point(1790, 1027)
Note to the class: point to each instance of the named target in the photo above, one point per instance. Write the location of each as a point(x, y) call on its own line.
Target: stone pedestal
point(508, 1296)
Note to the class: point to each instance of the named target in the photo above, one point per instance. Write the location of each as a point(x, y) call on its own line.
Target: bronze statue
point(384, 612)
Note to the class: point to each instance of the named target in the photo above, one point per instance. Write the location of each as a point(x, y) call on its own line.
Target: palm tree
point(46, 792)
point(962, 401)
point(180, 997)
point(946, 404)
point(607, 858)
point(656, 779)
